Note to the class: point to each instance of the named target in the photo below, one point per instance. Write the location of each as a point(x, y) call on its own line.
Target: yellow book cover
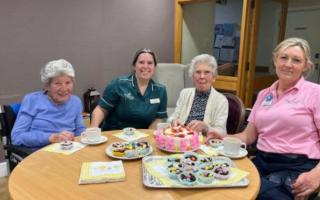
point(101, 172)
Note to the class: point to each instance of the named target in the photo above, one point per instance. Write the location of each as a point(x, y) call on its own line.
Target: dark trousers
point(278, 172)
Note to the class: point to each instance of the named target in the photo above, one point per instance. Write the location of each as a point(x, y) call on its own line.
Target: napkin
point(56, 148)
point(137, 135)
point(209, 150)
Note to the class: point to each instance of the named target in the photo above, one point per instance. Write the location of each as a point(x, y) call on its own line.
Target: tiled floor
point(4, 195)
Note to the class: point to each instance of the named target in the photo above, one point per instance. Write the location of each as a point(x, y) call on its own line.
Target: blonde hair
point(305, 47)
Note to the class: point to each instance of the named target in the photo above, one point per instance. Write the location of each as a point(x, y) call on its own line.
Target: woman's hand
point(213, 135)
point(175, 122)
point(62, 136)
point(198, 126)
point(306, 183)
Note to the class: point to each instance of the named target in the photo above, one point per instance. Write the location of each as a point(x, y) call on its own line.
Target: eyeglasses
point(202, 73)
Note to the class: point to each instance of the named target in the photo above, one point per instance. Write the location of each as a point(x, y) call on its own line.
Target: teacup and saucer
point(93, 136)
point(233, 148)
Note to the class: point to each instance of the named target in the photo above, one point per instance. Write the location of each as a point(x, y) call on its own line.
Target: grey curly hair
point(204, 58)
point(55, 68)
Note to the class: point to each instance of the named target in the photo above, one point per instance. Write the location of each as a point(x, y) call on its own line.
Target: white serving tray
point(153, 182)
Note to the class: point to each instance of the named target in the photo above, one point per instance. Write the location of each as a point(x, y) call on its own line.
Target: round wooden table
point(45, 175)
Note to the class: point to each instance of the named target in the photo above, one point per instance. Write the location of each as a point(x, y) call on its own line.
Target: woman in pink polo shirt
point(285, 122)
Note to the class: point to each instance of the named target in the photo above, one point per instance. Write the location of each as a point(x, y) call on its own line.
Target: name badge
point(268, 100)
point(153, 101)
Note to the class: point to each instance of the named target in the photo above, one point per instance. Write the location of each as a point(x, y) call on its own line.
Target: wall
point(197, 30)
point(293, 4)
point(98, 37)
point(268, 32)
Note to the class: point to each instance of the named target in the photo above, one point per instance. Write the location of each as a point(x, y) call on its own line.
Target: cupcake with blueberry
point(188, 178)
point(221, 172)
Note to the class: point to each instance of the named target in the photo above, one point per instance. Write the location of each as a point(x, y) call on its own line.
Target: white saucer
point(243, 153)
point(102, 140)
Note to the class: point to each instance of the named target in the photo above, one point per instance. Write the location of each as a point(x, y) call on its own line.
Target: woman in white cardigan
point(202, 108)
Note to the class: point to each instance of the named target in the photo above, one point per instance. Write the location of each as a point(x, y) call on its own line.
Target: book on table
point(101, 172)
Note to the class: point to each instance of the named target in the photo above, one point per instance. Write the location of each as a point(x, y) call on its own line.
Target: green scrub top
point(128, 108)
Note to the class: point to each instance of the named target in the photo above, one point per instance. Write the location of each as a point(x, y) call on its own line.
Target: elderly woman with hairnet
point(52, 115)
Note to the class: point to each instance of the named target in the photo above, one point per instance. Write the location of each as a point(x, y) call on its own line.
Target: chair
point(13, 153)
point(173, 76)
point(236, 115)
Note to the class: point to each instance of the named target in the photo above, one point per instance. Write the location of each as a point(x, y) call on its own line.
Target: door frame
point(243, 83)
point(229, 83)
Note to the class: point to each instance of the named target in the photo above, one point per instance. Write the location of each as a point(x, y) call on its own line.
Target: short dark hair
point(144, 50)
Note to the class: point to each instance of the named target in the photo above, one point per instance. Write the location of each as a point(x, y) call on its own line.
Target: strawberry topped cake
point(177, 139)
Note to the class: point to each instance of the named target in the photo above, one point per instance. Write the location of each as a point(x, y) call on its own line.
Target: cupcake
point(215, 143)
point(142, 148)
point(119, 152)
point(205, 160)
point(66, 145)
point(117, 145)
point(173, 170)
point(130, 153)
point(223, 164)
point(205, 177)
point(188, 178)
point(128, 145)
point(190, 162)
point(173, 159)
point(221, 172)
point(189, 167)
point(207, 166)
point(190, 157)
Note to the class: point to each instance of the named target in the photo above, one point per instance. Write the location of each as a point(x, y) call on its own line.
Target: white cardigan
point(216, 112)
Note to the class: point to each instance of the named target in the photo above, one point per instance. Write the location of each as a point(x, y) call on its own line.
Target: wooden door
point(267, 21)
point(235, 83)
point(242, 84)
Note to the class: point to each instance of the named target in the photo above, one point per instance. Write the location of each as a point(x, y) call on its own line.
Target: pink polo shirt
point(291, 123)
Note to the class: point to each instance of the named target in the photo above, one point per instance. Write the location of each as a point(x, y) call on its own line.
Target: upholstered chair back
point(172, 75)
point(236, 114)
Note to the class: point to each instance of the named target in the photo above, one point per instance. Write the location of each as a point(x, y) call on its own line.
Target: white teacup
point(232, 146)
point(92, 134)
point(129, 130)
point(163, 125)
